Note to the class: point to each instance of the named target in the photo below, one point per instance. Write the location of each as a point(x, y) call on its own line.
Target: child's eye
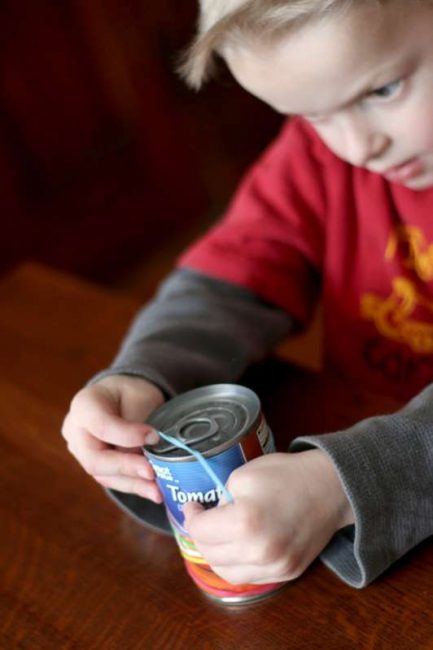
point(388, 91)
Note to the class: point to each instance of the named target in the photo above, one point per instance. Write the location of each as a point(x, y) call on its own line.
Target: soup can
point(225, 423)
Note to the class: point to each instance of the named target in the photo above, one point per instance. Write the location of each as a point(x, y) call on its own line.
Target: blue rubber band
point(203, 462)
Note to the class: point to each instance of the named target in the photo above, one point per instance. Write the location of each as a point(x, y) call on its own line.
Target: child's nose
point(363, 142)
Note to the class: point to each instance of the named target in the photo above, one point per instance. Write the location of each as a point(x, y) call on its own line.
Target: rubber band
point(203, 462)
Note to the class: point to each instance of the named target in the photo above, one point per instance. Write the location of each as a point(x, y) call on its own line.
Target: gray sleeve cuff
point(385, 464)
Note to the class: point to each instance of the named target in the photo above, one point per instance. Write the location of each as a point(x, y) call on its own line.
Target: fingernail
point(157, 498)
point(152, 437)
point(144, 473)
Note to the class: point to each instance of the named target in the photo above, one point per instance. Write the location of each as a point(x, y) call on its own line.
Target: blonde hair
point(223, 21)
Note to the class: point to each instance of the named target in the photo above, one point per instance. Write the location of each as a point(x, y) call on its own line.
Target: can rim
point(213, 391)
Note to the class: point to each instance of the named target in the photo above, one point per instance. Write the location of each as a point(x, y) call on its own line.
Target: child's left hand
point(286, 509)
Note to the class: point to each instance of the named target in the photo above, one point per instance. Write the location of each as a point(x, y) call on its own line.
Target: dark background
point(108, 163)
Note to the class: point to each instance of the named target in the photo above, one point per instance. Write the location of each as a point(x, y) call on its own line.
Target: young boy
point(341, 206)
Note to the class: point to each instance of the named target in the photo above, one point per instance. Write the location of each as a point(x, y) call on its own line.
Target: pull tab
point(203, 462)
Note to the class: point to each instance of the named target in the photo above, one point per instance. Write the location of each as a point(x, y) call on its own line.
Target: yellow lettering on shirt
point(416, 252)
point(394, 316)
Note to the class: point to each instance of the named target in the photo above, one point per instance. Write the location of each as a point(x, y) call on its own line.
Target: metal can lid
point(208, 419)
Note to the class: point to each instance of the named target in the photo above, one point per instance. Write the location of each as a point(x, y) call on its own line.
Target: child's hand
point(105, 429)
point(286, 509)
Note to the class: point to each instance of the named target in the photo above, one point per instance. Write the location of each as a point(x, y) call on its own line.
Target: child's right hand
point(105, 429)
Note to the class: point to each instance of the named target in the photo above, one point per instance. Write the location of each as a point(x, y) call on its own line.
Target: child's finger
point(190, 508)
point(214, 526)
point(98, 459)
point(250, 574)
point(227, 554)
point(117, 463)
point(146, 489)
point(113, 429)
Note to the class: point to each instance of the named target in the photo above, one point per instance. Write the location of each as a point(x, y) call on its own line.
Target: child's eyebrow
point(348, 102)
point(380, 77)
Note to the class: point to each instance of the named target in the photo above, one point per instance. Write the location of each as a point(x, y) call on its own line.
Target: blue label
point(181, 482)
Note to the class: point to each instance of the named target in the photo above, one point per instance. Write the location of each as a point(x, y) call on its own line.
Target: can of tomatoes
point(225, 424)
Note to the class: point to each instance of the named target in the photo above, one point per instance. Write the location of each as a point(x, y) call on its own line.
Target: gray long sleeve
point(386, 467)
point(199, 330)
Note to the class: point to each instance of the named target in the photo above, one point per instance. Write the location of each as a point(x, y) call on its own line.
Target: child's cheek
point(421, 128)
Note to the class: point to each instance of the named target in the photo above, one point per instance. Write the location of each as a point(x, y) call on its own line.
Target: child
point(341, 206)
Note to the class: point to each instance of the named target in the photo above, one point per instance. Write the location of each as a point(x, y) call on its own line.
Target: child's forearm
point(197, 331)
point(386, 466)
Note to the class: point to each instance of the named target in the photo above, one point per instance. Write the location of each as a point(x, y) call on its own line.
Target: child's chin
point(422, 182)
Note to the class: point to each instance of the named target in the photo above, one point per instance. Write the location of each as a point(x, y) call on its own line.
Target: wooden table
point(78, 573)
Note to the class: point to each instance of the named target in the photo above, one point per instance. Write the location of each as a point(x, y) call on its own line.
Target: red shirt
point(304, 224)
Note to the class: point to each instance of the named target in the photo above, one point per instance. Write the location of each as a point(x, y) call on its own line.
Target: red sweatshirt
point(303, 225)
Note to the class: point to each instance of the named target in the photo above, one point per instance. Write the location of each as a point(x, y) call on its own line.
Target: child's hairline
point(198, 62)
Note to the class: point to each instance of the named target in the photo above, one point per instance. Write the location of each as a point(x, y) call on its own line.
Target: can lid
point(207, 419)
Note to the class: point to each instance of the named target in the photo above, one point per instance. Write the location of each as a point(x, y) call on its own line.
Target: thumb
point(190, 510)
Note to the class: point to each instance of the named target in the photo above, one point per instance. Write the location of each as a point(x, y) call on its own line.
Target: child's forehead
point(339, 54)
point(361, 28)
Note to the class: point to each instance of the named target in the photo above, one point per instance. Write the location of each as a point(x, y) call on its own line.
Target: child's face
point(364, 79)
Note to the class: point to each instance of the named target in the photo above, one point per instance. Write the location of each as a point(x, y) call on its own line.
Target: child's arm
point(197, 331)
point(386, 466)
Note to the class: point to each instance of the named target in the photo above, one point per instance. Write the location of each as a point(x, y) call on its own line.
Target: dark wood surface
point(77, 573)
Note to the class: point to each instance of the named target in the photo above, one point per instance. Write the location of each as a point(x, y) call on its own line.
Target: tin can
point(224, 422)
